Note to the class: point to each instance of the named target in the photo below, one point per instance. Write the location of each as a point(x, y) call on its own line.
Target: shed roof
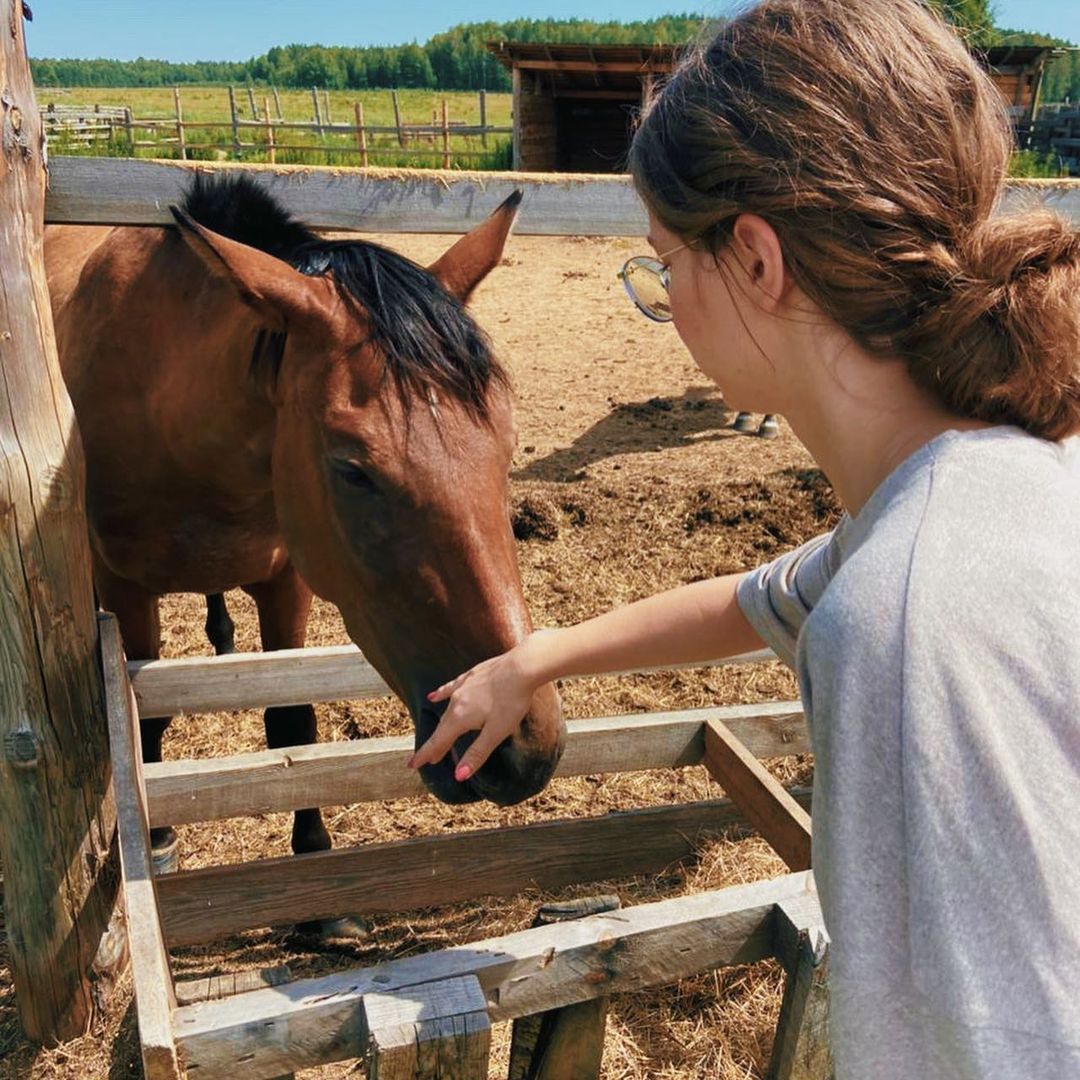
point(588, 69)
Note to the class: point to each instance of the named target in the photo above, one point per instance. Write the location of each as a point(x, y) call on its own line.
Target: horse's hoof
point(769, 429)
point(330, 930)
point(165, 857)
point(744, 424)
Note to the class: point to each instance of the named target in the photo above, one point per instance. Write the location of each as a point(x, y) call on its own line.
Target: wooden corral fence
point(267, 132)
point(430, 1015)
point(1056, 132)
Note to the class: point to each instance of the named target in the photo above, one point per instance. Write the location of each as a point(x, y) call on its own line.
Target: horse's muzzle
point(510, 775)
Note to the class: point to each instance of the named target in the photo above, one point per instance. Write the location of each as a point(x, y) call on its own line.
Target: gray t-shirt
point(936, 638)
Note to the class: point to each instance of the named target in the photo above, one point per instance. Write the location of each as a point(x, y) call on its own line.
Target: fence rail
point(423, 139)
point(113, 191)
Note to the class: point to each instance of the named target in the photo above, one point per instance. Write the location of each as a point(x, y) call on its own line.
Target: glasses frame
point(660, 268)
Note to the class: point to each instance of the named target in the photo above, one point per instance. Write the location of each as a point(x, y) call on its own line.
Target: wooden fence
point(1056, 132)
point(265, 131)
point(106, 191)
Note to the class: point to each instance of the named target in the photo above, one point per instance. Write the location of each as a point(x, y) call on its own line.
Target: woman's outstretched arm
point(701, 621)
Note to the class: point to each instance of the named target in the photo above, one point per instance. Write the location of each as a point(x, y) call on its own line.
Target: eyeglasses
point(646, 280)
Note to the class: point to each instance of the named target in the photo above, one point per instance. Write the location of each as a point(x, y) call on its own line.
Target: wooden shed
point(574, 105)
point(1017, 71)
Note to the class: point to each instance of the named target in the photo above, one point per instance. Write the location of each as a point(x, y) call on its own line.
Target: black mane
point(426, 337)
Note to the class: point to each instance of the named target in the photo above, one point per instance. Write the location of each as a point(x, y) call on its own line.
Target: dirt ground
point(626, 481)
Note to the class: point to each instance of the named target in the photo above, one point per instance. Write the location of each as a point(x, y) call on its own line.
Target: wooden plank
point(439, 1029)
point(113, 191)
point(319, 1020)
point(154, 996)
point(767, 806)
point(56, 811)
point(368, 770)
point(202, 905)
point(215, 987)
point(802, 1050)
point(286, 677)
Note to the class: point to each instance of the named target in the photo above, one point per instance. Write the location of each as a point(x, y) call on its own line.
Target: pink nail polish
point(411, 763)
point(463, 772)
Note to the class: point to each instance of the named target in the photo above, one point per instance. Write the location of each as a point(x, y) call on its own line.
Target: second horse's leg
point(284, 603)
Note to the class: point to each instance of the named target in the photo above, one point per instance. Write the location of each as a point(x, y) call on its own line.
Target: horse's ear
point(470, 260)
point(280, 295)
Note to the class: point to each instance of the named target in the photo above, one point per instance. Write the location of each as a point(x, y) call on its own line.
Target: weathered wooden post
point(269, 131)
point(397, 118)
point(565, 1043)
point(361, 135)
point(483, 119)
point(180, 124)
point(235, 124)
point(445, 134)
point(57, 818)
point(318, 109)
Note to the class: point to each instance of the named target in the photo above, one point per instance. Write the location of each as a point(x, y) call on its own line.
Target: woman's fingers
point(481, 749)
point(443, 692)
point(452, 725)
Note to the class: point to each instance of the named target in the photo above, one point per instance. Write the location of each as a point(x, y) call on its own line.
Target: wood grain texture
point(438, 1029)
point(343, 773)
point(150, 969)
point(316, 1021)
point(760, 797)
point(114, 191)
point(802, 1049)
point(57, 819)
point(201, 905)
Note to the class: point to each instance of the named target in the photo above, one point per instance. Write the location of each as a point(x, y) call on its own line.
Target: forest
point(458, 59)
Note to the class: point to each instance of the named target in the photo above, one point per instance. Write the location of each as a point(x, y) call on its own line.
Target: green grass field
point(210, 105)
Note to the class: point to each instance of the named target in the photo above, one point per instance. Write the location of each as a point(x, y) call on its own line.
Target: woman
point(820, 180)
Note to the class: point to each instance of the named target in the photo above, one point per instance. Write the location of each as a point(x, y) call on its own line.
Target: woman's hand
point(491, 698)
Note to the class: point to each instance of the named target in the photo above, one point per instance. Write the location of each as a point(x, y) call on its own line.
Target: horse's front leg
point(136, 612)
point(284, 603)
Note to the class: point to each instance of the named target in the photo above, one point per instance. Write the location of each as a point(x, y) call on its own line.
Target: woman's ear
point(757, 247)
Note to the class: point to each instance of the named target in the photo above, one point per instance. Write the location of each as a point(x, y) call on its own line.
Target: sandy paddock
point(625, 481)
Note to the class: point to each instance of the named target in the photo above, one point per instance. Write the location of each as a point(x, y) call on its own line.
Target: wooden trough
point(430, 1015)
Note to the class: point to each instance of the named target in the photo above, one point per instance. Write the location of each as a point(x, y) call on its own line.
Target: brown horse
point(265, 409)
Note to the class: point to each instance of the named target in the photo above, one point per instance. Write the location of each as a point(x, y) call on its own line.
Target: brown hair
point(869, 139)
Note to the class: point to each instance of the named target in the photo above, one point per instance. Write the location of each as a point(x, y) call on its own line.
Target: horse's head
point(392, 446)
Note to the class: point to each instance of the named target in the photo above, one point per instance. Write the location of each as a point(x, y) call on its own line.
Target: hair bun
point(1014, 302)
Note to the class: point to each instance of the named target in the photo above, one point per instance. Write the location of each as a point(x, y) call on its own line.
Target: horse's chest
point(175, 548)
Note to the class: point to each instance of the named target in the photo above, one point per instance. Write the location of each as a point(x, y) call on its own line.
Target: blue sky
point(183, 30)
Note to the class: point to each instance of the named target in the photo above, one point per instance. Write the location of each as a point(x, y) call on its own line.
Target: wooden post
point(326, 102)
point(801, 1050)
point(566, 1043)
point(397, 118)
point(130, 130)
point(57, 816)
point(437, 1029)
point(235, 126)
point(277, 103)
point(155, 997)
point(361, 135)
point(179, 124)
point(269, 131)
point(445, 134)
point(318, 110)
point(515, 113)
point(483, 118)
point(251, 102)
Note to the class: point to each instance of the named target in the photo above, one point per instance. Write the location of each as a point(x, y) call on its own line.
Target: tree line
point(459, 59)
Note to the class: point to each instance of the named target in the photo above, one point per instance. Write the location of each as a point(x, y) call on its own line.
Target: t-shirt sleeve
point(778, 596)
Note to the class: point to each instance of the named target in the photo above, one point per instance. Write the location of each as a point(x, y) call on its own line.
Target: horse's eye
point(352, 475)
